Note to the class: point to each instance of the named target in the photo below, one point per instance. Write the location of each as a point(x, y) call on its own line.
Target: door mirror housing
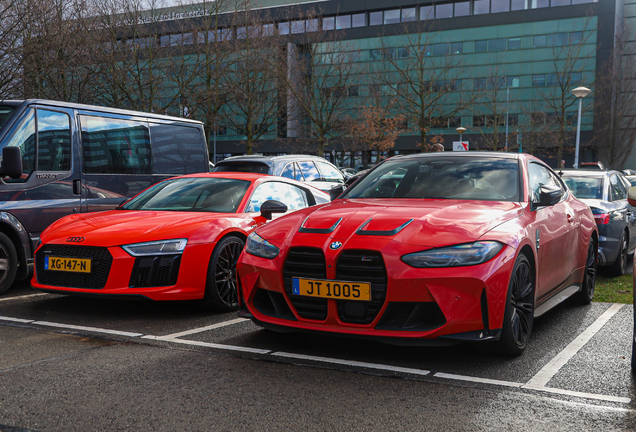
point(548, 196)
point(11, 162)
point(631, 196)
point(272, 206)
point(335, 192)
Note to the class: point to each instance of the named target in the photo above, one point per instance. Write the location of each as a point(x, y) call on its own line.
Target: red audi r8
point(177, 240)
point(434, 248)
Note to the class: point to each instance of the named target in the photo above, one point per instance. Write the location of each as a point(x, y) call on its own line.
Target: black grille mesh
point(362, 266)
point(307, 263)
point(101, 260)
point(151, 271)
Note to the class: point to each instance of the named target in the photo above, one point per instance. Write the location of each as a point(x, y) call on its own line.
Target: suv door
point(622, 214)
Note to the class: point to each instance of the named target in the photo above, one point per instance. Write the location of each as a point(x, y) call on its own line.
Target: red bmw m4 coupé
point(177, 240)
point(433, 248)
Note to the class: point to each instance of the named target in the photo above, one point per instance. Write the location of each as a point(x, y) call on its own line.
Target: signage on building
point(460, 145)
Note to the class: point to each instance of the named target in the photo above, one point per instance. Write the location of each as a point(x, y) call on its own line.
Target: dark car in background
point(321, 173)
point(606, 194)
point(631, 198)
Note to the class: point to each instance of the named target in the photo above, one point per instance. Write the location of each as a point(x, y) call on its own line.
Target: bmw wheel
point(221, 290)
point(519, 312)
point(586, 294)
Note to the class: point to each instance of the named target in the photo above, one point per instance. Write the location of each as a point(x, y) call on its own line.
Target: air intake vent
point(101, 260)
point(152, 271)
point(306, 263)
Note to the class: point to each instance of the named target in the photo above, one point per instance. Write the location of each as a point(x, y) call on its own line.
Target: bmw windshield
point(442, 178)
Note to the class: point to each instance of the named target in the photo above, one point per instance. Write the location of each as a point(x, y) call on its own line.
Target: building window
point(375, 18)
point(514, 43)
point(462, 9)
point(352, 91)
point(576, 38)
point(283, 28)
point(392, 16)
point(457, 47)
point(427, 13)
point(552, 80)
point(444, 11)
point(537, 118)
point(328, 23)
point(298, 27)
point(513, 119)
point(497, 6)
point(358, 20)
point(540, 41)
point(312, 25)
point(554, 3)
point(575, 78)
point(408, 15)
point(389, 53)
point(479, 120)
point(343, 22)
point(513, 81)
point(538, 80)
point(557, 39)
point(481, 7)
point(496, 44)
point(375, 54)
point(516, 5)
point(480, 83)
point(536, 4)
point(403, 52)
point(481, 46)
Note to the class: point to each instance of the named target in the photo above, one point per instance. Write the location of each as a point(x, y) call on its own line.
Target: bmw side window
point(24, 137)
point(540, 176)
point(617, 188)
point(54, 141)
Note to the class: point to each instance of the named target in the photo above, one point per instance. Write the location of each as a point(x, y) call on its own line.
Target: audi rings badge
point(75, 239)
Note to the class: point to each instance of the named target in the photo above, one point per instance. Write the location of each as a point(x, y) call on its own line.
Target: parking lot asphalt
point(577, 354)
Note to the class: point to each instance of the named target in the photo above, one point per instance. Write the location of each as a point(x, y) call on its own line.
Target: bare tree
point(570, 56)
point(318, 71)
point(12, 25)
point(424, 76)
point(615, 118)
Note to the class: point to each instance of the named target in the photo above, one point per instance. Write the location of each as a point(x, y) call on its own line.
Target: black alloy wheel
point(586, 294)
point(221, 291)
point(8, 263)
point(619, 267)
point(519, 313)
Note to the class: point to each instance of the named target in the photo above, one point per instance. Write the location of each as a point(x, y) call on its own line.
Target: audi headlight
point(454, 256)
point(162, 247)
point(256, 245)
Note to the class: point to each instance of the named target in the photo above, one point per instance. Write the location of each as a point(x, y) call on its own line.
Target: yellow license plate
point(331, 289)
point(77, 265)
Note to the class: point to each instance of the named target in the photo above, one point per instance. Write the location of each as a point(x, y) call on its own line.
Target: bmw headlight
point(256, 245)
point(454, 256)
point(162, 247)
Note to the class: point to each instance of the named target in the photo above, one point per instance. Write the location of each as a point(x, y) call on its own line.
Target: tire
point(519, 312)
point(586, 294)
point(619, 267)
point(221, 288)
point(634, 353)
point(8, 263)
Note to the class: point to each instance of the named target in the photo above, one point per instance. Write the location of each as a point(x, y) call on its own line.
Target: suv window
point(329, 173)
point(5, 113)
point(238, 166)
point(54, 141)
point(113, 146)
point(617, 188)
point(541, 176)
point(176, 149)
point(24, 137)
point(309, 171)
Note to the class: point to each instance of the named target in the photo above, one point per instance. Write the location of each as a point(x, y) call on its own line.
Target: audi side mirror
point(272, 206)
point(11, 162)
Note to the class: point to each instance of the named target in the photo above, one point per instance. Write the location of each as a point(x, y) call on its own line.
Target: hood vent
point(362, 231)
point(331, 229)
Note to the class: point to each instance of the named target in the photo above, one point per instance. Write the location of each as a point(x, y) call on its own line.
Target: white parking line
point(197, 330)
point(579, 394)
point(477, 380)
point(221, 346)
point(542, 377)
point(23, 297)
point(92, 329)
point(351, 363)
point(3, 318)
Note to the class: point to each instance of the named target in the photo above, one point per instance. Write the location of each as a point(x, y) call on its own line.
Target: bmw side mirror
point(272, 206)
point(335, 192)
point(631, 196)
point(549, 196)
point(11, 162)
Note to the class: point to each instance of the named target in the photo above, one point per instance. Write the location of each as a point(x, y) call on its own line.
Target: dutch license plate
point(332, 289)
point(77, 265)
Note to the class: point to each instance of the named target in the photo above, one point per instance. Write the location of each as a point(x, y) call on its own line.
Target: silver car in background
point(606, 194)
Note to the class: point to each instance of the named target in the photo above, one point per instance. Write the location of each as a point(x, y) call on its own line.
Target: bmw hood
point(431, 223)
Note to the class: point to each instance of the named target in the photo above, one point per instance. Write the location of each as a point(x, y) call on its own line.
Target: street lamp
point(579, 92)
point(460, 130)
